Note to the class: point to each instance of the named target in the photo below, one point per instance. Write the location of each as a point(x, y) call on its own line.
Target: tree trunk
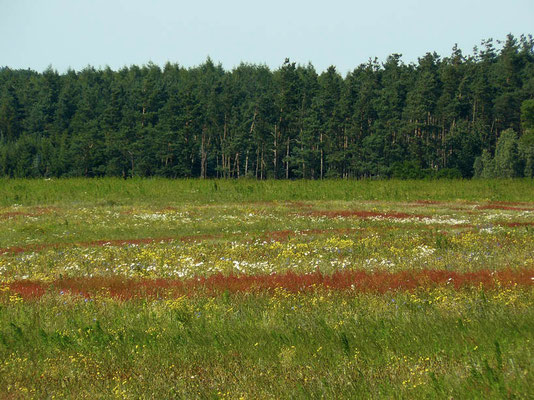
point(303, 162)
point(203, 155)
point(257, 160)
point(262, 163)
point(345, 147)
point(287, 160)
point(132, 162)
point(275, 150)
point(322, 155)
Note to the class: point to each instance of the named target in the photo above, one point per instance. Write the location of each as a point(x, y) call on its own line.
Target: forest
point(456, 116)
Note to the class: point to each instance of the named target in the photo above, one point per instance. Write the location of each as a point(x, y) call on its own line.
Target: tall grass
point(111, 191)
point(476, 345)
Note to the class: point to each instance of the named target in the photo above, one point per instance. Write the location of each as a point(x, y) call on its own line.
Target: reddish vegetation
point(362, 214)
point(299, 204)
point(38, 211)
point(32, 247)
point(515, 224)
point(12, 214)
point(361, 281)
point(28, 289)
point(289, 203)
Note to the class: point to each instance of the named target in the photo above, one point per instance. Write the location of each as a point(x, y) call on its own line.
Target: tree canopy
point(442, 116)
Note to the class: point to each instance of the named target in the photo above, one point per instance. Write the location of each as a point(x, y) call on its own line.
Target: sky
point(73, 34)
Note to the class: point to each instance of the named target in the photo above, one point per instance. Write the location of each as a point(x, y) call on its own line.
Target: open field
point(159, 191)
point(238, 289)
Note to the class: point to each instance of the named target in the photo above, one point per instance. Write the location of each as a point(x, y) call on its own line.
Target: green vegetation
point(159, 288)
point(430, 344)
point(433, 118)
point(161, 192)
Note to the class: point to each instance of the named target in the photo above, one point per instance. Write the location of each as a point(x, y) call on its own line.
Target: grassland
point(241, 289)
point(158, 191)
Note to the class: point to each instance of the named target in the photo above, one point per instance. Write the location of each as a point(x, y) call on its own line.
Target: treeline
point(439, 117)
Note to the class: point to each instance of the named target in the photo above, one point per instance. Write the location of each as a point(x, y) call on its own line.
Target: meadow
point(241, 289)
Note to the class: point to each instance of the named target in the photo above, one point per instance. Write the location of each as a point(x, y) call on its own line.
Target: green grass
point(435, 342)
point(110, 191)
point(271, 346)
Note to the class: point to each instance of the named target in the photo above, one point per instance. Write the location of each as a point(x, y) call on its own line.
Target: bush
point(413, 170)
point(408, 170)
point(448, 173)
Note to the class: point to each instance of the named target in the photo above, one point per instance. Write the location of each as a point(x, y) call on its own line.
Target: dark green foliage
point(413, 170)
point(430, 119)
point(527, 114)
point(408, 170)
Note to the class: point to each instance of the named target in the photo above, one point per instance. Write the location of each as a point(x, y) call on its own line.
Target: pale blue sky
point(73, 33)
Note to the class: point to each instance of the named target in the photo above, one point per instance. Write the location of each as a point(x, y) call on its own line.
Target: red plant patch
point(361, 281)
point(28, 289)
point(299, 204)
point(516, 224)
point(38, 211)
point(13, 214)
